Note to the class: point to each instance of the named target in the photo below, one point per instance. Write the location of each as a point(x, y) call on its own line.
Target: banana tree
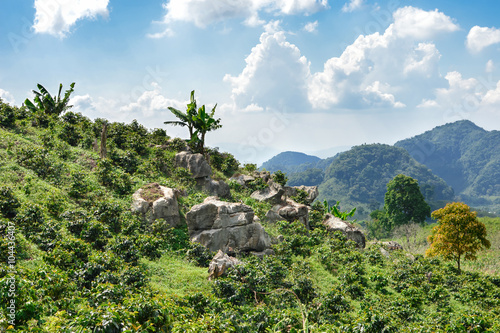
point(185, 119)
point(204, 122)
point(335, 211)
point(45, 102)
point(198, 122)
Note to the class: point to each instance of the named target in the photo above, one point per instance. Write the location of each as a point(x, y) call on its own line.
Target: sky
point(314, 76)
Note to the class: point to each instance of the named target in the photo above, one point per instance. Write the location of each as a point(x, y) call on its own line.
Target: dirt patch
point(151, 192)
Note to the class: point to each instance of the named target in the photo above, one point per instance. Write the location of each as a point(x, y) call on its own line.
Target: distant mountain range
point(455, 162)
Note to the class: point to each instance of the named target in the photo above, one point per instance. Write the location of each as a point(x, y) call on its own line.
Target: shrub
point(8, 202)
point(30, 218)
point(280, 177)
point(199, 255)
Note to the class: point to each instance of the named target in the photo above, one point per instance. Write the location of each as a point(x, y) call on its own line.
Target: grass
point(488, 261)
point(175, 276)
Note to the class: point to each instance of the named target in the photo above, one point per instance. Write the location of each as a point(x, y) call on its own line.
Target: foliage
point(47, 104)
point(335, 211)
point(8, 202)
point(459, 234)
point(404, 203)
point(85, 263)
point(280, 177)
point(198, 122)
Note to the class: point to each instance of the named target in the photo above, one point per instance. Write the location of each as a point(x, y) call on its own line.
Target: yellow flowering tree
point(458, 234)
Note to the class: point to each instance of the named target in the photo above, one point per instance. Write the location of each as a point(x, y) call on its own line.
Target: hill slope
point(466, 156)
point(359, 176)
point(290, 161)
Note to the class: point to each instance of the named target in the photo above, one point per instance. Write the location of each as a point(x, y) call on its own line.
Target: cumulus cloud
point(275, 76)
point(492, 97)
point(411, 22)
point(481, 37)
point(400, 60)
point(205, 12)
point(57, 17)
point(7, 97)
point(352, 6)
point(311, 26)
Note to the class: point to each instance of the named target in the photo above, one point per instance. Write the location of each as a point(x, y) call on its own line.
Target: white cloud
point(57, 17)
point(205, 12)
point(481, 37)
point(352, 6)
point(490, 66)
point(377, 95)
point(7, 97)
point(275, 76)
point(492, 97)
point(398, 60)
point(311, 26)
point(411, 22)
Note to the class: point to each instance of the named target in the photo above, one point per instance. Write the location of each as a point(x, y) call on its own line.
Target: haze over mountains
point(455, 162)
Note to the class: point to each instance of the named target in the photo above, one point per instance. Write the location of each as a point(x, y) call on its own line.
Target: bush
point(280, 177)
point(8, 202)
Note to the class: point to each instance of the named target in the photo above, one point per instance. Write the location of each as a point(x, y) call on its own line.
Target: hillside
point(466, 156)
point(359, 176)
point(75, 258)
point(290, 161)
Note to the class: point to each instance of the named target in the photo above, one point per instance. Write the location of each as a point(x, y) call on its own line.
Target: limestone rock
point(289, 211)
point(265, 175)
point(312, 192)
point(195, 163)
point(220, 264)
point(220, 225)
point(333, 223)
point(243, 180)
point(217, 188)
point(391, 245)
point(271, 194)
point(155, 202)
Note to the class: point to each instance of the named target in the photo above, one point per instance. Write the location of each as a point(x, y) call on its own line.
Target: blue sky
point(315, 76)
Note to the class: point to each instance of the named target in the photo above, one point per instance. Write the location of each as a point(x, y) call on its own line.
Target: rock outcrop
point(195, 163)
point(289, 211)
point(333, 223)
point(272, 194)
point(243, 180)
point(220, 265)
point(217, 188)
point(155, 202)
point(220, 225)
point(312, 192)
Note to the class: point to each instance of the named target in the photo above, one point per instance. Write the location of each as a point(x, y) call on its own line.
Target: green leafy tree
point(204, 122)
point(459, 234)
point(404, 203)
point(198, 122)
point(47, 104)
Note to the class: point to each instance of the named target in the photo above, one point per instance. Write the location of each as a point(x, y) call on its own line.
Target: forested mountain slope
point(359, 176)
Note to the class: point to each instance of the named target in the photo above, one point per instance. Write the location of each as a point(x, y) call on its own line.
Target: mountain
point(359, 176)
point(289, 161)
point(466, 156)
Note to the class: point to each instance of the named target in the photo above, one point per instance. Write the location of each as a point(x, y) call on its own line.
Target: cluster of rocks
point(229, 227)
point(201, 172)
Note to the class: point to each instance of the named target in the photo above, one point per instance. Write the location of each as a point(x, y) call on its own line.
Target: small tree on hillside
point(404, 203)
point(459, 234)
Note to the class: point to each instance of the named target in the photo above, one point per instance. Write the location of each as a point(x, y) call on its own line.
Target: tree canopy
point(404, 203)
point(459, 234)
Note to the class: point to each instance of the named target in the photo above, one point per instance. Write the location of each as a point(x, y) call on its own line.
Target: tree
point(198, 122)
point(459, 234)
point(46, 104)
point(204, 122)
point(404, 203)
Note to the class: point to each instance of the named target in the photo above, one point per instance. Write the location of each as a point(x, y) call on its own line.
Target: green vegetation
point(358, 177)
point(85, 263)
point(198, 122)
point(404, 203)
point(290, 162)
point(466, 156)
